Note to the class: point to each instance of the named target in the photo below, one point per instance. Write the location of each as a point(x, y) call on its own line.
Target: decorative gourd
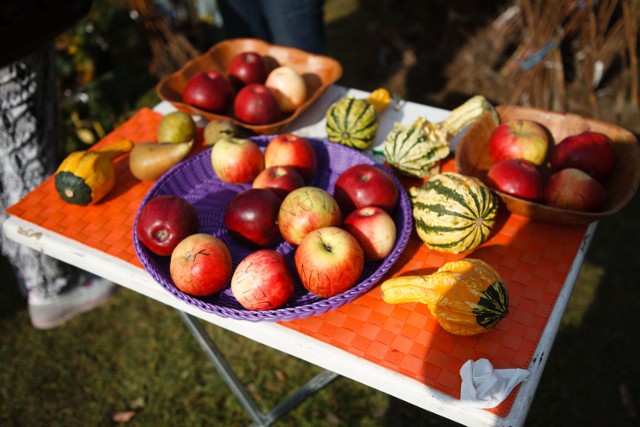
point(352, 122)
point(380, 99)
point(466, 297)
point(415, 150)
point(409, 151)
point(453, 213)
point(86, 176)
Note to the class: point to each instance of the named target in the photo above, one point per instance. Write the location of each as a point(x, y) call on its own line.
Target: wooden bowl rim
point(554, 214)
point(331, 64)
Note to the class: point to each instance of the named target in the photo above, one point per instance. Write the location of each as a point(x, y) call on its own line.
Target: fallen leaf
point(123, 417)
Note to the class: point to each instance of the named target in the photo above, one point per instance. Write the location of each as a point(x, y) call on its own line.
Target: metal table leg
point(251, 407)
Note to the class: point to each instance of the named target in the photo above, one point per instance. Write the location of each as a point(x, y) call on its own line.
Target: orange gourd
point(466, 297)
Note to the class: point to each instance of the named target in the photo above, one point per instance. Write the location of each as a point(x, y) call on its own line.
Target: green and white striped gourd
point(417, 149)
point(453, 213)
point(352, 122)
point(409, 150)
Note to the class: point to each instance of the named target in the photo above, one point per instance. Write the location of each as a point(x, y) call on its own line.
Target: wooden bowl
point(318, 71)
point(472, 158)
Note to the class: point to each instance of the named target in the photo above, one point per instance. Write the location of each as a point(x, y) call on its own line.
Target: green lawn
point(134, 354)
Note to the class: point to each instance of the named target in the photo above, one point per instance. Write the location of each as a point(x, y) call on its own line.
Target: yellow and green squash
point(354, 121)
point(453, 213)
point(86, 176)
point(417, 149)
point(411, 152)
point(466, 297)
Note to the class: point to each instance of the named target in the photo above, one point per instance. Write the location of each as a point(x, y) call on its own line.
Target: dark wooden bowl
point(318, 71)
point(472, 158)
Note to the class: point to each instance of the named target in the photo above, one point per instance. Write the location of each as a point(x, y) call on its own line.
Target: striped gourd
point(416, 150)
point(409, 150)
point(453, 213)
point(352, 122)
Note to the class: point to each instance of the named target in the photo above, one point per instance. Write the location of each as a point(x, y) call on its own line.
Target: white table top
point(284, 339)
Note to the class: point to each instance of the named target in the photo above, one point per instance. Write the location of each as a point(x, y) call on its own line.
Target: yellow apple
point(288, 87)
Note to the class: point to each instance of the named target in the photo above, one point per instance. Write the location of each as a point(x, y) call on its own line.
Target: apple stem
point(161, 235)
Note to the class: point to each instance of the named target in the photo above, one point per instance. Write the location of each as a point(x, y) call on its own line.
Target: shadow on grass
point(592, 375)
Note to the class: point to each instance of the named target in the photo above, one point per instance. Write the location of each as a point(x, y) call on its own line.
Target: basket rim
point(402, 215)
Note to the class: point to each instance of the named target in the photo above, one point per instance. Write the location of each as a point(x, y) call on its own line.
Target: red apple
point(304, 210)
point(365, 185)
point(280, 179)
point(516, 177)
point(287, 149)
point(519, 139)
point(201, 265)
point(246, 68)
point(251, 216)
point(591, 152)
point(164, 221)
point(574, 189)
point(374, 230)
point(262, 281)
point(288, 86)
point(329, 261)
point(237, 160)
point(208, 90)
point(256, 105)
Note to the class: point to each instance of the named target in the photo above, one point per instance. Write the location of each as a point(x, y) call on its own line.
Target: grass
point(134, 354)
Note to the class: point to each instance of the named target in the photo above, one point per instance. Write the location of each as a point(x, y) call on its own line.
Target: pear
point(176, 127)
point(218, 129)
point(149, 160)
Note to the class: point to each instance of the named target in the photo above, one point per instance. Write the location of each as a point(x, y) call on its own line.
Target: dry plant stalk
point(473, 70)
point(536, 64)
point(601, 42)
point(631, 11)
point(523, 56)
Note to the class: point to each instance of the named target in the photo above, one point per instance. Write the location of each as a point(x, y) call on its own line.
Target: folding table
point(397, 349)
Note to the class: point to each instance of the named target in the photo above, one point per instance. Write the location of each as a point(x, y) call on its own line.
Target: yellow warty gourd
point(86, 176)
point(466, 297)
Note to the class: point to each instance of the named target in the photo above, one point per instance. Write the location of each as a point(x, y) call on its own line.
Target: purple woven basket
point(195, 180)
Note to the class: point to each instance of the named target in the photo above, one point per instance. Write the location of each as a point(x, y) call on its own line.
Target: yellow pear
point(218, 129)
point(176, 127)
point(149, 160)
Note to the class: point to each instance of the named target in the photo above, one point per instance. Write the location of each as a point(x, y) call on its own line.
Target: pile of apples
point(527, 164)
point(333, 235)
point(256, 94)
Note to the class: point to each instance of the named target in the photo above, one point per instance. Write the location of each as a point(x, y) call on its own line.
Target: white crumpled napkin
point(485, 387)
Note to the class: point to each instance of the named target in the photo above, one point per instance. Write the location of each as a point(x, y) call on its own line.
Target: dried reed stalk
point(535, 66)
point(631, 11)
point(474, 68)
point(522, 57)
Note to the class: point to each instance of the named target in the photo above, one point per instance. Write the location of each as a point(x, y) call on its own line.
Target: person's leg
point(243, 18)
point(296, 23)
point(29, 153)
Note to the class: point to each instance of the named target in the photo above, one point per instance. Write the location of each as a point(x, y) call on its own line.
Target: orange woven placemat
point(533, 260)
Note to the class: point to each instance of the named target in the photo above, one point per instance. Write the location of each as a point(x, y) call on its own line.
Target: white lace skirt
point(30, 151)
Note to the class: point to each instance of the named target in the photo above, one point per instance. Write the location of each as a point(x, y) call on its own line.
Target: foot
point(47, 313)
